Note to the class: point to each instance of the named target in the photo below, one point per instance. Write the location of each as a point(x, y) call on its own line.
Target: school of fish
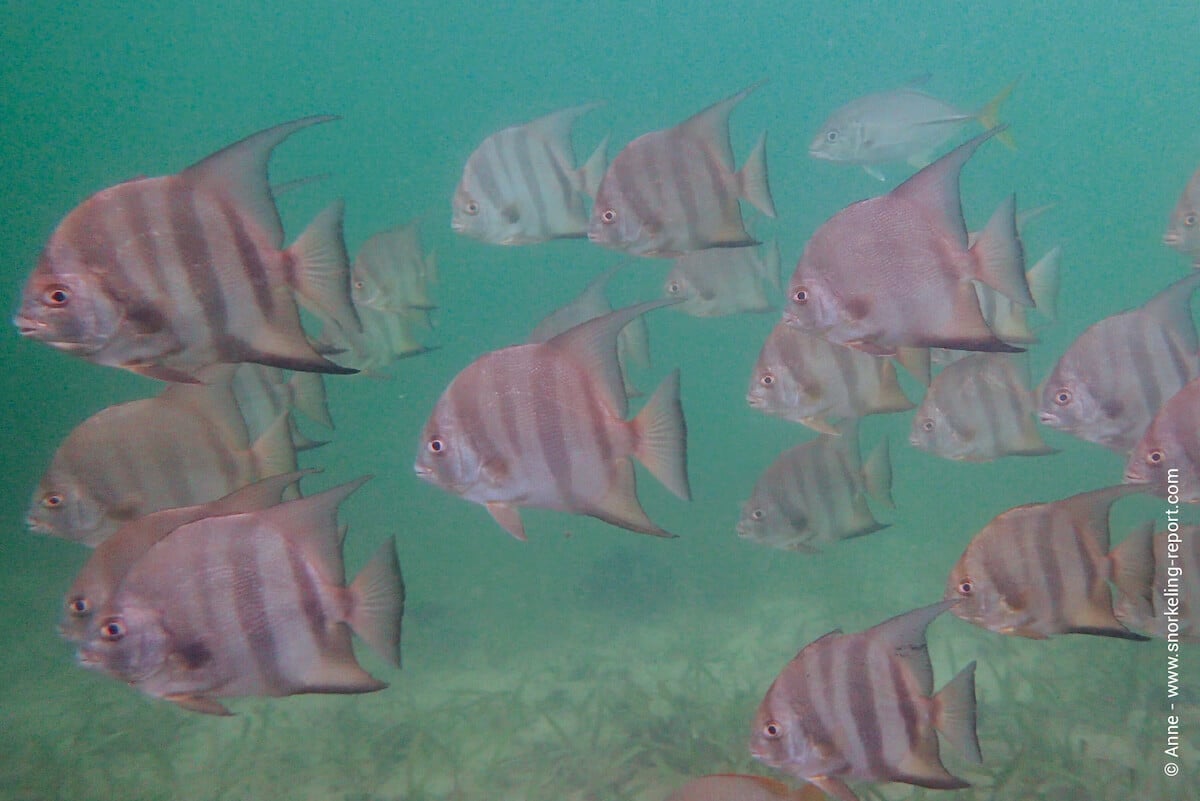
point(211, 577)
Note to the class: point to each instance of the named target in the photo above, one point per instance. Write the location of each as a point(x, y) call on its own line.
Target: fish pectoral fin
point(835, 788)
point(510, 213)
point(495, 472)
point(1022, 631)
point(874, 172)
point(509, 518)
point(199, 703)
point(820, 424)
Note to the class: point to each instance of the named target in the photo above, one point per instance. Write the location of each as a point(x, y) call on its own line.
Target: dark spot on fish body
point(857, 308)
point(146, 319)
point(1113, 409)
point(194, 655)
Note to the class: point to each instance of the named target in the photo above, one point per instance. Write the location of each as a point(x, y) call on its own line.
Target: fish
point(165, 276)
point(904, 124)
point(1116, 375)
point(861, 707)
point(187, 445)
point(521, 186)
point(392, 272)
point(1182, 233)
point(108, 563)
point(739, 787)
point(251, 604)
point(722, 281)
point(816, 492)
point(387, 336)
point(1043, 569)
point(1166, 460)
point(895, 270)
point(263, 393)
point(1164, 601)
point(633, 343)
point(978, 409)
point(543, 425)
point(675, 190)
point(811, 381)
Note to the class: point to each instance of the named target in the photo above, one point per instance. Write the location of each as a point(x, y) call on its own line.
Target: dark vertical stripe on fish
point(250, 608)
point(195, 258)
point(251, 260)
point(1043, 538)
point(906, 707)
point(681, 191)
point(552, 437)
point(310, 599)
point(864, 710)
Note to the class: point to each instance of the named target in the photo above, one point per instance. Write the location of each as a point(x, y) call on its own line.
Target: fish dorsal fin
point(1089, 512)
point(711, 126)
point(935, 188)
point(310, 524)
point(1172, 308)
point(904, 638)
point(239, 171)
point(260, 495)
point(593, 346)
point(555, 130)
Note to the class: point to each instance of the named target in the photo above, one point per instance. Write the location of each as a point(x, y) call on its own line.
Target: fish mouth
point(754, 402)
point(38, 526)
point(818, 153)
point(458, 226)
point(88, 658)
point(1133, 476)
point(1170, 239)
point(27, 327)
point(1049, 419)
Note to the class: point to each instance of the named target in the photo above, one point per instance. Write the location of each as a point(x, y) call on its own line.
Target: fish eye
point(673, 287)
point(112, 629)
point(56, 296)
point(1062, 397)
point(1190, 220)
point(758, 514)
point(437, 445)
point(772, 730)
point(52, 500)
point(1155, 457)
point(471, 208)
point(831, 137)
point(359, 284)
point(927, 424)
point(609, 216)
point(79, 606)
point(767, 380)
point(965, 587)
point(800, 295)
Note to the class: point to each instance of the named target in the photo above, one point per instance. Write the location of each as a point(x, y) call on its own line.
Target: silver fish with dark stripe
point(393, 273)
point(543, 425)
point(185, 446)
point(811, 381)
point(861, 707)
point(721, 281)
point(816, 493)
point(521, 185)
point(978, 409)
point(1043, 569)
point(673, 191)
point(252, 604)
point(164, 276)
point(1166, 459)
point(1166, 599)
point(1118, 373)
point(98, 578)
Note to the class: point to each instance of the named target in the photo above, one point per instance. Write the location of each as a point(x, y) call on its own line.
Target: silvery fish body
point(673, 191)
point(861, 707)
point(543, 425)
point(252, 604)
point(1118, 373)
point(1168, 454)
point(721, 281)
point(166, 276)
point(1183, 231)
point(1166, 600)
point(896, 271)
point(521, 185)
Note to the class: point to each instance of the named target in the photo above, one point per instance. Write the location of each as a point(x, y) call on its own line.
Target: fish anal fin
point(834, 788)
point(509, 518)
point(199, 703)
point(752, 179)
point(954, 713)
point(621, 507)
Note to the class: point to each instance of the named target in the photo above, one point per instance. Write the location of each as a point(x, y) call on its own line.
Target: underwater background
point(589, 662)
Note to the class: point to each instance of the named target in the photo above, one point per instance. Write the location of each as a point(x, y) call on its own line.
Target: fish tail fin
point(877, 474)
point(273, 452)
point(321, 269)
point(592, 171)
point(989, 115)
point(377, 603)
point(308, 395)
point(999, 256)
point(954, 713)
point(1043, 282)
point(1133, 568)
point(752, 179)
point(660, 437)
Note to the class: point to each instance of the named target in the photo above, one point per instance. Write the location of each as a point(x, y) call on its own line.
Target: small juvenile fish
point(861, 707)
point(543, 425)
point(816, 492)
point(1044, 568)
point(895, 270)
point(978, 409)
point(1168, 596)
point(721, 281)
point(811, 381)
point(1183, 231)
point(521, 185)
point(392, 272)
point(675, 190)
point(736, 787)
point(1171, 443)
point(98, 578)
point(1117, 374)
point(903, 124)
point(252, 604)
point(165, 276)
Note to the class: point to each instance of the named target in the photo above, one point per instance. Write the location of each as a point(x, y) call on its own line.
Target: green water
point(604, 664)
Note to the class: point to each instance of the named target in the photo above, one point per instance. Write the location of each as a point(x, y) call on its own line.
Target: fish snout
point(1049, 419)
point(1171, 239)
point(1134, 475)
point(25, 326)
